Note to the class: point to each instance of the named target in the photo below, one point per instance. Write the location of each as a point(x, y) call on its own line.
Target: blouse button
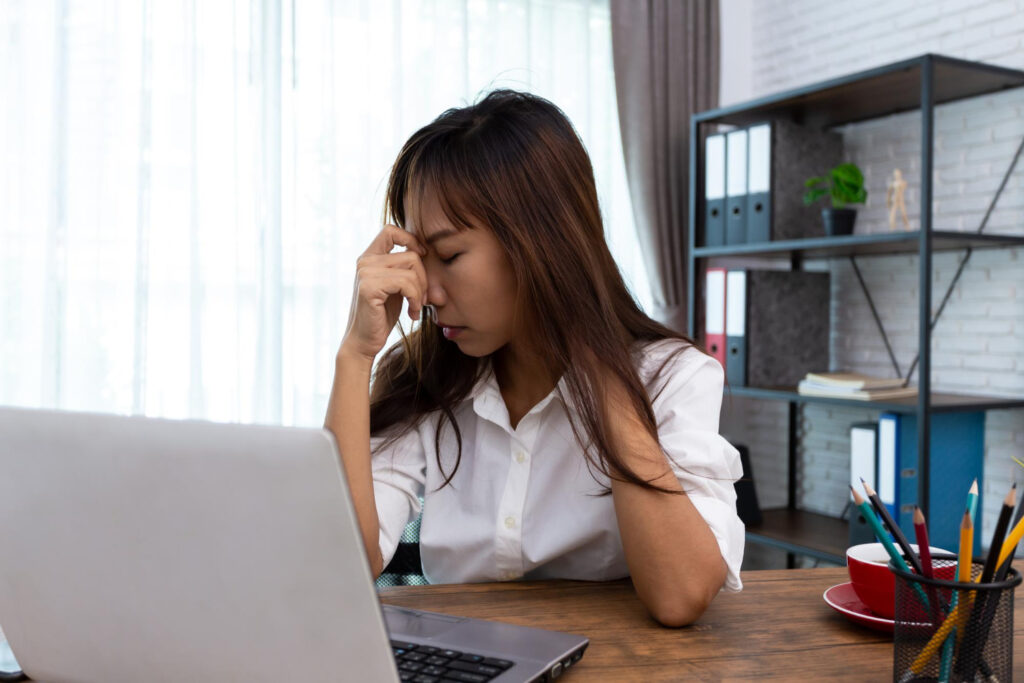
point(510, 522)
point(520, 457)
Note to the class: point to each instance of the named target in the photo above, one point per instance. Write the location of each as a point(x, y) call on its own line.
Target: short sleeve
point(687, 409)
point(399, 473)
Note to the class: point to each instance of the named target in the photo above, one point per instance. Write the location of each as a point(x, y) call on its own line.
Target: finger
point(379, 284)
point(392, 236)
point(408, 260)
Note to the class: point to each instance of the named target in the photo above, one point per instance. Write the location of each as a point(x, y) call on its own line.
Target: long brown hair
point(514, 163)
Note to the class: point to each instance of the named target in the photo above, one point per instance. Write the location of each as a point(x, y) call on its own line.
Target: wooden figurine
point(894, 200)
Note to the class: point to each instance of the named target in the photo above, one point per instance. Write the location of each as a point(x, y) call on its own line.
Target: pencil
point(964, 567)
point(996, 547)
point(963, 570)
point(947, 649)
point(972, 500)
point(883, 537)
point(923, 549)
point(963, 560)
point(984, 605)
point(897, 533)
point(925, 552)
point(1009, 546)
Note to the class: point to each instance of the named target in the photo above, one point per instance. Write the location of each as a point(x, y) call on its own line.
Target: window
point(187, 185)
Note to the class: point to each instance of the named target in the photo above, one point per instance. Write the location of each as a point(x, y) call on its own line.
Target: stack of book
point(854, 385)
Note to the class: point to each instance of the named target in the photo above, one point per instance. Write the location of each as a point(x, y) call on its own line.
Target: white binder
point(714, 190)
point(759, 172)
point(736, 187)
point(863, 450)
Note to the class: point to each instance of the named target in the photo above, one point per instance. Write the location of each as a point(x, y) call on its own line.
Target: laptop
point(140, 549)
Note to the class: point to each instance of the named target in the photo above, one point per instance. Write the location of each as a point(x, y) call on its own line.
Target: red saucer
point(842, 599)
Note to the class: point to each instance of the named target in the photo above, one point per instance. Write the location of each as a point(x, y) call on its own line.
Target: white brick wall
point(978, 344)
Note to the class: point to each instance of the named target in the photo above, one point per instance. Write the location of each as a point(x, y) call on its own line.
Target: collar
point(489, 404)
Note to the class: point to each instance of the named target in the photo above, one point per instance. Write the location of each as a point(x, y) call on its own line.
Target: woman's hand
point(383, 278)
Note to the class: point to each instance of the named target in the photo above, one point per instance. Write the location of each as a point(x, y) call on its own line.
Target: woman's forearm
point(673, 557)
point(348, 418)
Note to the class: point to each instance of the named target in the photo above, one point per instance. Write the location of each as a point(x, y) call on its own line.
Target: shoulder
point(674, 362)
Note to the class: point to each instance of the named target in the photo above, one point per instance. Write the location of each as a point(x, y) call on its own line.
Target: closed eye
point(451, 258)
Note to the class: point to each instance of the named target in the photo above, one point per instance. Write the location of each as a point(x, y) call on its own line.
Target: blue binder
point(957, 458)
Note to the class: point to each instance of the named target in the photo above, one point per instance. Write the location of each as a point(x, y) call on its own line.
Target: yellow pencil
point(963, 569)
point(953, 618)
point(1010, 544)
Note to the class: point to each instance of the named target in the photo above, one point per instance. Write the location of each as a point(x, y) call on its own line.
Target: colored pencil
point(964, 565)
point(947, 649)
point(925, 552)
point(883, 537)
point(1009, 547)
point(972, 500)
point(984, 608)
point(963, 558)
point(1011, 541)
point(923, 549)
point(897, 533)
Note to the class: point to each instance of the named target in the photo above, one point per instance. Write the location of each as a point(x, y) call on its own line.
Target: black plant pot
point(839, 221)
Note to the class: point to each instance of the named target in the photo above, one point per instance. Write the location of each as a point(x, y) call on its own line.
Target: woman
point(540, 388)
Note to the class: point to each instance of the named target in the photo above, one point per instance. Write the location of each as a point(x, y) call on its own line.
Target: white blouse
point(523, 503)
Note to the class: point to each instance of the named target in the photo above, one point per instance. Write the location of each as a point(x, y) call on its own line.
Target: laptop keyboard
point(425, 664)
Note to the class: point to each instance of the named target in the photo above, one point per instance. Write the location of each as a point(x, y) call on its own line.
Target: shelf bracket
point(874, 313)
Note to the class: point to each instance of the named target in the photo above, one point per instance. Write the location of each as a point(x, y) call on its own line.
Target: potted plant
point(844, 184)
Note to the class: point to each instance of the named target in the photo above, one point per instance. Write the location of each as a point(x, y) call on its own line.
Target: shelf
point(870, 94)
point(879, 244)
point(941, 403)
point(804, 533)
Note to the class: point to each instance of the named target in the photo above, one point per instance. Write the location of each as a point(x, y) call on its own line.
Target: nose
point(436, 294)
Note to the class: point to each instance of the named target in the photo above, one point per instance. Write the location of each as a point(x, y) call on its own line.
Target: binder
point(863, 464)
point(888, 442)
point(714, 314)
point(736, 186)
point(759, 173)
point(864, 455)
point(787, 328)
point(735, 327)
point(956, 458)
point(714, 190)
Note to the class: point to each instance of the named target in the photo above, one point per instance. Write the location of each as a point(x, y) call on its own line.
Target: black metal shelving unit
point(920, 83)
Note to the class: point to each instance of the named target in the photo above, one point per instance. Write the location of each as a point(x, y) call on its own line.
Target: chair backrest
point(405, 568)
point(747, 506)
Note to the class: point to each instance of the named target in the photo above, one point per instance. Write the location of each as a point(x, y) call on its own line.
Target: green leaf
point(814, 195)
point(848, 174)
point(811, 182)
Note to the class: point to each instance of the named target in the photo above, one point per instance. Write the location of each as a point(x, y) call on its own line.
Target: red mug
point(874, 584)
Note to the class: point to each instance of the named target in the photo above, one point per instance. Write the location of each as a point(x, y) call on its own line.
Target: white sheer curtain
point(186, 183)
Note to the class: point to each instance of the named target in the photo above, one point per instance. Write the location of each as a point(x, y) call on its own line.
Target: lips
point(451, 332)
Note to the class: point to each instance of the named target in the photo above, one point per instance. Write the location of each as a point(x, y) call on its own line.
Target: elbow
point(686, 604)
point(681, 611)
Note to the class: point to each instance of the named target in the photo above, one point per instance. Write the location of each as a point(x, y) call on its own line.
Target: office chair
point(405, 568)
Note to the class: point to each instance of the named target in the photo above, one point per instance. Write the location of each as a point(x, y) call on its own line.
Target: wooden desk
point(777, 627)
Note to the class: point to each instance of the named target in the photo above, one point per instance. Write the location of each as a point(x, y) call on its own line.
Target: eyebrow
point(440, 235)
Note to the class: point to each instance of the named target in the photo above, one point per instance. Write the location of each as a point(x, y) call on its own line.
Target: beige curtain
point(666, 62)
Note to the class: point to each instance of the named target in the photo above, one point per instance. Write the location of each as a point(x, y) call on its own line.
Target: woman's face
point(469, 279)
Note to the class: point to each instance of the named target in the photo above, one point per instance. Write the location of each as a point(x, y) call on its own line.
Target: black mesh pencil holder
point(951, 631)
